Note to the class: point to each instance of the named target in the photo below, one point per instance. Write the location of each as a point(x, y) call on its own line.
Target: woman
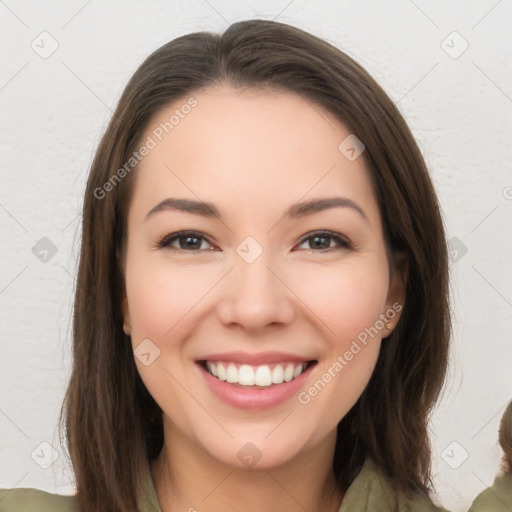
point(226, 354)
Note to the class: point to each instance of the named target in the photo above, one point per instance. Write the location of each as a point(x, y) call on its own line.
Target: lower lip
point(255, 399)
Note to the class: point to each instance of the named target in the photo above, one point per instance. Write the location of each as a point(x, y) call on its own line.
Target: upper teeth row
point(247, 375)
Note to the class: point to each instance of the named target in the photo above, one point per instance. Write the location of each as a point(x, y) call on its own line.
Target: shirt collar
point(369, 491)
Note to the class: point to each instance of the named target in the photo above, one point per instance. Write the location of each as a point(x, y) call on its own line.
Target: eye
point(188, 241)
point(319, 238)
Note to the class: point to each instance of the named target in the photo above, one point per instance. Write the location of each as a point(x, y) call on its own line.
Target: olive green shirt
point(369, 492)
point(497, 498)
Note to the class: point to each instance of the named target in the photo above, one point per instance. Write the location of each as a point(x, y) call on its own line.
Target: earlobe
point(127, 329)
point(398, 280)
point(127, 326)
point(396, 293)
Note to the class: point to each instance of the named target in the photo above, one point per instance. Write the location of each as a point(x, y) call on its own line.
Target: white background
point(55, 109)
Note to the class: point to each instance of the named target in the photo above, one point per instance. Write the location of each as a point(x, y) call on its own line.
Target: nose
point(256, 295)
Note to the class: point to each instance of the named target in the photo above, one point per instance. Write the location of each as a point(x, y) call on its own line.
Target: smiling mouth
point(256, 376)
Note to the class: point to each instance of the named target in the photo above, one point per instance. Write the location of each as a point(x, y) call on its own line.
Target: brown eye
point(188, 241)
point(322, 240)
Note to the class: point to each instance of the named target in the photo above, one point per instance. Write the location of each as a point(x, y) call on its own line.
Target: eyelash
point(165, 242)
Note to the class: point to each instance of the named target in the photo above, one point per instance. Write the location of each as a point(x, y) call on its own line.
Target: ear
point(396, 293)
point(127, 325)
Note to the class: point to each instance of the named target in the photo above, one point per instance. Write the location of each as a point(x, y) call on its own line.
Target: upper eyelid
point(326, 233)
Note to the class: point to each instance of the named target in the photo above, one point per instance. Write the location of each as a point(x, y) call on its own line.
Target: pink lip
point(255, 359)
point(255, 399)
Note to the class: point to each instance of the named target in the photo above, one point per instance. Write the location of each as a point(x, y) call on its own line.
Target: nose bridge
point(256, 296)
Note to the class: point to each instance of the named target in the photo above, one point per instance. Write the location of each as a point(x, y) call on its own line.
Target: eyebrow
point(295, 211)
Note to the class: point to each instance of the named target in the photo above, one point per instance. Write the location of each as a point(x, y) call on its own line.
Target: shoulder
point(34, 500)
point(497, 498)
point(372, 490)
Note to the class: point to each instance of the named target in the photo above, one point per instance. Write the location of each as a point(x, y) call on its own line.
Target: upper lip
point(256, 358)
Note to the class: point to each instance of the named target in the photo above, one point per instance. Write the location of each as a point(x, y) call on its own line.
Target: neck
point(190, 479)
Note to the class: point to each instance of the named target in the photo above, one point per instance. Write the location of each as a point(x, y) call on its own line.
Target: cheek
point(160, 299)
point(347, 299)
point(160, 296)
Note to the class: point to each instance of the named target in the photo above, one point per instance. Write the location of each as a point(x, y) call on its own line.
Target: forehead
point(249, 147)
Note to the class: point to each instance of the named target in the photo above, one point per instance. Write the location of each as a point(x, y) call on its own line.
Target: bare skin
point(253, 154)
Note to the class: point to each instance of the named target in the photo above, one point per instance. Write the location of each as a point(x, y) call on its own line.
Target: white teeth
point(245, 375)
point(288, 373)
point(262, 375)
point(221, 371)
point(232, 374)
point(278, 374)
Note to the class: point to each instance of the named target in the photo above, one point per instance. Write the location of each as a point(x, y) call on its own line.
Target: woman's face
point(255, 294)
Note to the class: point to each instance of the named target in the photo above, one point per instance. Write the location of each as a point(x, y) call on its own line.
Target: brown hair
point(113, 425)
point(505, 438)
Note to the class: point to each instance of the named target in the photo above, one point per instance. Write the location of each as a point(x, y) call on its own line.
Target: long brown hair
point(113, 425)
